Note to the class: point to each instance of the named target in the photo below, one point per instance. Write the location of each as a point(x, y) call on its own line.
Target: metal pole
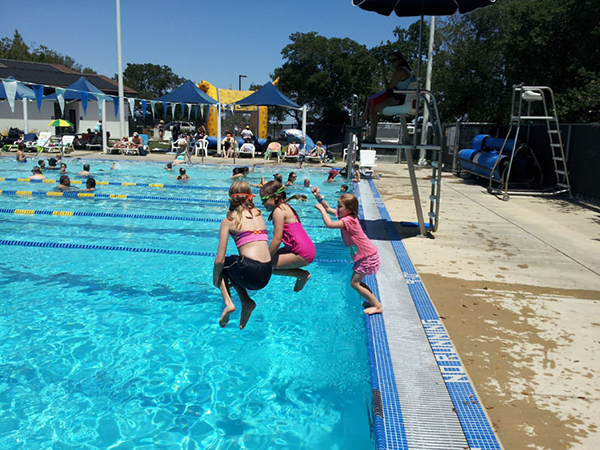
point(25, 116)
point(304, 120)
point(120, 73)
point(240, 81)
point(218, 107)
point(104, 127)
point(424, 130)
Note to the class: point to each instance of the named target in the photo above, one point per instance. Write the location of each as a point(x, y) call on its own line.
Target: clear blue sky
point(213, 40)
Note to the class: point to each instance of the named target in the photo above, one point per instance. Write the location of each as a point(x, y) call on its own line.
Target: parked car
point(183, 126)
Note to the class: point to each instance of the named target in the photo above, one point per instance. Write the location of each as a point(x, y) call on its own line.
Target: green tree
point(324, 73)
point(481, 55)
point(16, 48)
point(150, 80)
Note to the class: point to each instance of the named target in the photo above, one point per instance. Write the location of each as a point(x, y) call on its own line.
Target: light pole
point(240, 81)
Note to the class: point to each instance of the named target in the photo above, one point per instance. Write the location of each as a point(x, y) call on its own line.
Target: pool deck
point(517, 287)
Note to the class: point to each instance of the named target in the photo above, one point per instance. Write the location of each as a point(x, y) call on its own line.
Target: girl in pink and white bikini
point(251, 269)
point(298, 250)
point(364, 254)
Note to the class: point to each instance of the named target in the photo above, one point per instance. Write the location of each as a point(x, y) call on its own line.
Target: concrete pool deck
point(517, 286)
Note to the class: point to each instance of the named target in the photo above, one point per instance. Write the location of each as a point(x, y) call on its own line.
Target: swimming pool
point(108, 345)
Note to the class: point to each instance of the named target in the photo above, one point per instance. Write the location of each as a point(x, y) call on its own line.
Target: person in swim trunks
point(298, 249)
point(251, 268)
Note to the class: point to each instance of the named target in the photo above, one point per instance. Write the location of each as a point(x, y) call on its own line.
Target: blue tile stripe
point(388, 424)
point(475, 424)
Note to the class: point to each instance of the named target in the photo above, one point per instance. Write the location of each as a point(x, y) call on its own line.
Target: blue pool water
point(122, 350)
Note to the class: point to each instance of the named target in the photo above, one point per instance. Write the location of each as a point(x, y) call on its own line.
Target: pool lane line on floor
point(116, 248)
point(473, 420)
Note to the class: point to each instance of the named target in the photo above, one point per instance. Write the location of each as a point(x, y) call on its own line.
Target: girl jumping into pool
point(364, 253)
point(251, 269)
point(298, 249)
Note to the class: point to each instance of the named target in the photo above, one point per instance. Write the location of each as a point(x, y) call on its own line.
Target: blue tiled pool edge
point(472, 417)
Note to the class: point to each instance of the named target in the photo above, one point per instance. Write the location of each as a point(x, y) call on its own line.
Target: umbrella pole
point(411, 168)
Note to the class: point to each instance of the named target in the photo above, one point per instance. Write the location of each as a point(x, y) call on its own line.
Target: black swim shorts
point(246, 272)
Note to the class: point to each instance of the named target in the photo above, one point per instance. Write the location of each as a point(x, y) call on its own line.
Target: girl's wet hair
point(350, 202)
point(276, 190)
point(240, 199)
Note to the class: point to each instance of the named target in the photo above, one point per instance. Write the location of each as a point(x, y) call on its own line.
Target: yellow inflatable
point(259, 115)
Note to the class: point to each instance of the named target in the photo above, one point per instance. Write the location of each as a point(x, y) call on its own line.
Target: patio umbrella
point(408, 8)
point(60, 123)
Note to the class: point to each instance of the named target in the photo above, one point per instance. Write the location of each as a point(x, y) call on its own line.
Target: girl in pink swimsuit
point(251, 268)
point(298, 250)
point(364, 254)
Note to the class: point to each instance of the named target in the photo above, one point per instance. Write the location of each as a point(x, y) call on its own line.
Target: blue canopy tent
point(268, 95)
point(83, 90)
point(188, 92)
point(22, 93)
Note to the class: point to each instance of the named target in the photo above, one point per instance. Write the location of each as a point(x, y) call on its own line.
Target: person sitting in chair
point(401, 79)
point(247, 147)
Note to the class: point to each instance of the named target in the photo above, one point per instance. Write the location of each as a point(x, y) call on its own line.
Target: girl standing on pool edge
point(364, 254)
point(299, 250)
point(251, 269)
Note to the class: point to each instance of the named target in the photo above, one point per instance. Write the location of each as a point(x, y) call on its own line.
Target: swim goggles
point(239, 202)
point(267, 197)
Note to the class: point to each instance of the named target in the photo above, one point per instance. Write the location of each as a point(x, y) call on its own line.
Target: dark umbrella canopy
point(409, 8)
point(268, 95)
point(188, 92)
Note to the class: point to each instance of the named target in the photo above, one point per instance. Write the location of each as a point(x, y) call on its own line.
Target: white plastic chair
point(66, 144)
point(202, 146)
point(408, 107)
point(367, 162)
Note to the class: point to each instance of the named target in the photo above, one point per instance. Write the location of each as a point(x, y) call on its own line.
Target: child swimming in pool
point(251, 269)
point(298, 249)
point(364, 254)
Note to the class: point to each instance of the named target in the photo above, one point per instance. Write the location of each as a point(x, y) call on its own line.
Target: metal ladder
point(530, 95)
point(436, 164)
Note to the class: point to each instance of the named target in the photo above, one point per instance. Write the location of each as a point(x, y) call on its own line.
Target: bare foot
point(247, 308)
point(301, 282)
point(373, 310)
point(225, 316)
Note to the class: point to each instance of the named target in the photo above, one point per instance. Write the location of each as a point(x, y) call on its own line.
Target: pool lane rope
point(15, 243)
point(74, 194)
point(116, 183)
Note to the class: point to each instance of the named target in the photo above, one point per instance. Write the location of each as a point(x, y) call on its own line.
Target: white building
point(45, 74)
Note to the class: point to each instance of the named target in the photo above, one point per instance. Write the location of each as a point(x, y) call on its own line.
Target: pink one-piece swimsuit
point(297, 241)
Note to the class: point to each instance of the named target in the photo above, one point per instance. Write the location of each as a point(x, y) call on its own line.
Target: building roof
point(56, 75)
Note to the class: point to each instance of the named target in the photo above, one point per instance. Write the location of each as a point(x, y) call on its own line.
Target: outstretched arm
point(327, 220)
